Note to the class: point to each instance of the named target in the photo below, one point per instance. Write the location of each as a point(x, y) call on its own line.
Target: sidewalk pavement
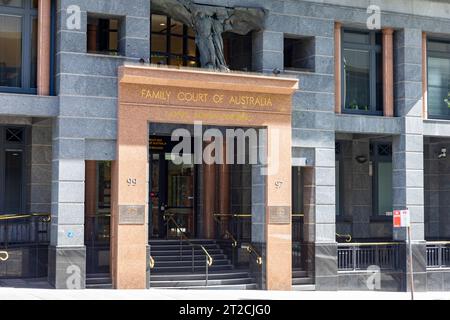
point(158, 294)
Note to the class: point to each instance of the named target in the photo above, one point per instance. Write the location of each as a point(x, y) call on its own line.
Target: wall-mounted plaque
point(133, 215)
point(279, 215)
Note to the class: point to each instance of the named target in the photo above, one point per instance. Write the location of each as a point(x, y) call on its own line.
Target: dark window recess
point(238, 51)
point(13, 181)
point(338, 148)
point(362, 72)
point(299, 53)
point(103, 35)
point(381, 162)
point(12, 170)
point(14, 135)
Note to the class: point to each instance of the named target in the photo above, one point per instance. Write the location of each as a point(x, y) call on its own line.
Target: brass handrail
point(236, 215)
point(152, 262)
point(248, 247)
point(234, 242)
point(253, 251)
point(46, 216)
point(5, 256)
point(183, 234)
point(348, 236)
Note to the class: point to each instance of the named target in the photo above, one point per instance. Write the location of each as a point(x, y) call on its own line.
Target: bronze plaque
point(132, 215)
point(279, 215)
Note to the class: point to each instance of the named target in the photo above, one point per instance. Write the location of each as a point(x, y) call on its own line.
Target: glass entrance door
point(171, 197)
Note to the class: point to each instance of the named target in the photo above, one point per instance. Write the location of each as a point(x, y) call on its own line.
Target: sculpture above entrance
point(209, 23)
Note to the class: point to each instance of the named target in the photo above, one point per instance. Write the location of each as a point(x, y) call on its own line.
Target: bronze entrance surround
point(163, 95)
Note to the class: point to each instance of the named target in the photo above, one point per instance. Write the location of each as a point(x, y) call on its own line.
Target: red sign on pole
point(401, 219)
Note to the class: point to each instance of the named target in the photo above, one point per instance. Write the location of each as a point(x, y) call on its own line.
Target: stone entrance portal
point(162, 95)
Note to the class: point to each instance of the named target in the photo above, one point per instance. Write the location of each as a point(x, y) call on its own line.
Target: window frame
point(27, 14)
point(373, 49)
point(436, 54)
point(185, 38)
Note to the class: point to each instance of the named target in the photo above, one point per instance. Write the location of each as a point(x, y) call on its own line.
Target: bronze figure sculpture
point(209, 23)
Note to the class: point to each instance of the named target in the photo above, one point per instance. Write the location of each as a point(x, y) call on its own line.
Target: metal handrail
point(437, 242)
point(348, 236)
point(248, 247)
point(47, 216)
point(253, 251)
point(5, 256)
point(210, 259)
point(152, 262)
point(368, 244)
point(234, 242)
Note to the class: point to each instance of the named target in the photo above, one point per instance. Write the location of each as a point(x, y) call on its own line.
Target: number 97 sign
point(402, 219)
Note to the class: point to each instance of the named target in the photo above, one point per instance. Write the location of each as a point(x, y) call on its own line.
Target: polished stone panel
point(67, 267)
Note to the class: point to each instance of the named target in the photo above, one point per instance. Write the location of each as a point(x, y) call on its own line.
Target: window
point(381, 154)
point(103, 36)
point(439, 79)
point(18, 43)
point(238, 51)
point(172, 43)
point(362, 72)
point(299, 53)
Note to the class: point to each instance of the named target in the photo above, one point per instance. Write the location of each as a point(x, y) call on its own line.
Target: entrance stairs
point(178, 266)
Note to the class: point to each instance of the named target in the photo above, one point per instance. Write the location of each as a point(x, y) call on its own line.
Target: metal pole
point(207, 267)
point(411, 263)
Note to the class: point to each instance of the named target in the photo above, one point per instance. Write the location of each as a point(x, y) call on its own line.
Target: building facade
point(357, 97)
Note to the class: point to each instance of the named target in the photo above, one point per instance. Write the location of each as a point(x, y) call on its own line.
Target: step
point(302, 281)
point(175, 269)
point(299, 274)
point(170, 242)
point(99, 286)
point(185, 246)
point(200, 283)
point(189, 257)
point(172, 252)
point(307, 287)
point(197, 262)
point(252, 286)
point(198, 276)
point(99, 280)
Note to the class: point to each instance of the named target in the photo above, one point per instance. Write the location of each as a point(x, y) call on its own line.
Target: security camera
point(443, 153)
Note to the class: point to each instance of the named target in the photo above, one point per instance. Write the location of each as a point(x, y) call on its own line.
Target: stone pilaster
point(408, 160)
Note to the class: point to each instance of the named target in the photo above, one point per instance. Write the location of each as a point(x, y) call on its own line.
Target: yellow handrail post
point(5, 256)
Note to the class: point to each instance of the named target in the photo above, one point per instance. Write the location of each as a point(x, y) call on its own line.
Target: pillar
point(388, 72)
point(408, 159)
point(67, 252)
point(338, 67)
point(278, 210)
point(129, 221)
point(224, 190)
point(424, 75)
point(90, 206)
point(209, 199)
point(43, 50)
